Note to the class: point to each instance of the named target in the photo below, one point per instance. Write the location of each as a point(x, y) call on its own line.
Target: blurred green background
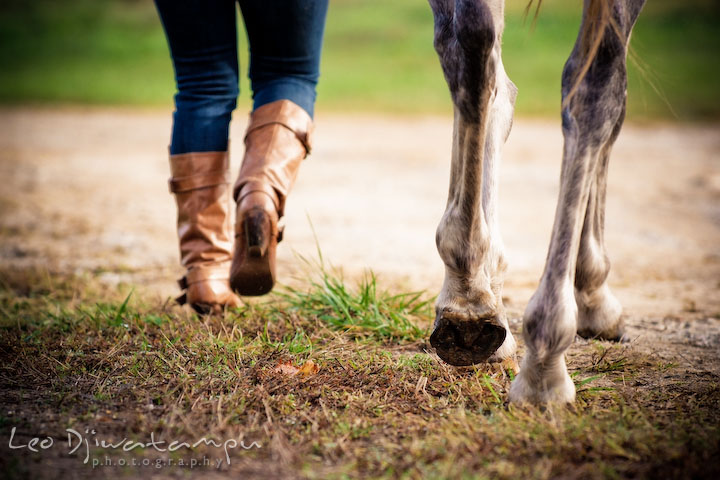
point(377, 57)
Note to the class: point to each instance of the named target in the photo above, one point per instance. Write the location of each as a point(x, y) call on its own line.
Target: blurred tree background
point(378, 56)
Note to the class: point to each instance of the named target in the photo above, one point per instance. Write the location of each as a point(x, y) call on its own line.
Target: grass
point(364, 312)
point(377, 57)
point(79, 355)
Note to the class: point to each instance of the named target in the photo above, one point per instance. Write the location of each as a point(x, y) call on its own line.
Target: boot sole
point(253, 274)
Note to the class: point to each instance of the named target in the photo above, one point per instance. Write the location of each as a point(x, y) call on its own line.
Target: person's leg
point(202, 36)
point(203, 45)
point(285, 42)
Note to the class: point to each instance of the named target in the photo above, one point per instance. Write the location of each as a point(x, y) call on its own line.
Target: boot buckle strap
point(202, 180)
point(305, 136)
point(254, 186)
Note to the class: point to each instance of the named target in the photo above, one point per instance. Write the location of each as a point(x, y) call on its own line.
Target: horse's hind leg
point(592, 118)
point(470, 325)
point(599, 312)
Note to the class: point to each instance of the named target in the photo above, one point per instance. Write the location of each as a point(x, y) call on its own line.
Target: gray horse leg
point(470, 324)
point(592, 118)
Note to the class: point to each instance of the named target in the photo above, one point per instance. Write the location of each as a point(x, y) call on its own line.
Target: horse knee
point(475, 27)
point(594, 94)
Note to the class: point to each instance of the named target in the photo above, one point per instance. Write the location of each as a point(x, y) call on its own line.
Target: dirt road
point(85, 190)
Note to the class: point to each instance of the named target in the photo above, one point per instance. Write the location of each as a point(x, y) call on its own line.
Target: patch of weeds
point(421, 362)
point(489, 382)
point(583, 389)
point(665, 366)
point(108, 314)
point(364, 311)
point(608, 359)
point(296, 343)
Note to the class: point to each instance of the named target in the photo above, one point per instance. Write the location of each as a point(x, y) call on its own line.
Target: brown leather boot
point(278, 138)
point(200, 182)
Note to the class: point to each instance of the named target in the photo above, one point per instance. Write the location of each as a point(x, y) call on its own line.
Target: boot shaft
point(200, 182)
point(278, 138)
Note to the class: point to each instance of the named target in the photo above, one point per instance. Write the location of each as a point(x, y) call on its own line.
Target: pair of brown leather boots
point(278, 138)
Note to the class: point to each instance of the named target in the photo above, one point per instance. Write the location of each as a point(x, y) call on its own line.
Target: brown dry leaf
point(307, 369)
point(287, 368)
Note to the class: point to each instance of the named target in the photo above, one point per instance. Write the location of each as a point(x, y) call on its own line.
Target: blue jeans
point(285, 38)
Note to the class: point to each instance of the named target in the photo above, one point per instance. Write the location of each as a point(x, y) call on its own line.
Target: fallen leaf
point(287, 368)
point(309, 368)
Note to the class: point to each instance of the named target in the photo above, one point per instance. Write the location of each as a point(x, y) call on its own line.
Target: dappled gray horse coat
point(573, 295)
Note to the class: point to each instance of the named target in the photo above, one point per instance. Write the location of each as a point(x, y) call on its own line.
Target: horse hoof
point(464, 338)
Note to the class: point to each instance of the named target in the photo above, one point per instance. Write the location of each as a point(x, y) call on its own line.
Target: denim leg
point(285, 39)
point(202, 35)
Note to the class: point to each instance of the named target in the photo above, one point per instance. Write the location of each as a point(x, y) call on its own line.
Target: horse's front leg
point(470, 324)
point(576, 266)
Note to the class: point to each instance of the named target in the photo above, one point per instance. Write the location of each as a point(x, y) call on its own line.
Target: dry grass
point(77, 355)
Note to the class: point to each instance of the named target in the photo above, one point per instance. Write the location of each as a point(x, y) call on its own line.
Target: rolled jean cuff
point(199, 133)
point(297, 91)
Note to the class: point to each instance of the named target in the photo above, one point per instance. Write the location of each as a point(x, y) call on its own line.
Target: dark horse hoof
point(463, 338)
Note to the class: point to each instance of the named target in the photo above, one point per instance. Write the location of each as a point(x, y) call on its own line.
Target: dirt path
point(85, 190)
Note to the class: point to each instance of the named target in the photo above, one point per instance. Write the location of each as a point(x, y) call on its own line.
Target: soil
point(85, 190)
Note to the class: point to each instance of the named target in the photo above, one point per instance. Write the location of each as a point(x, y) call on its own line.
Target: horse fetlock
point(460, 250)
point(542, 382)
point(599, 314)
point(550, 321)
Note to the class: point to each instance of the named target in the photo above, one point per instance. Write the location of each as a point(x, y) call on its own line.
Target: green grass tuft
point(364, 311)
